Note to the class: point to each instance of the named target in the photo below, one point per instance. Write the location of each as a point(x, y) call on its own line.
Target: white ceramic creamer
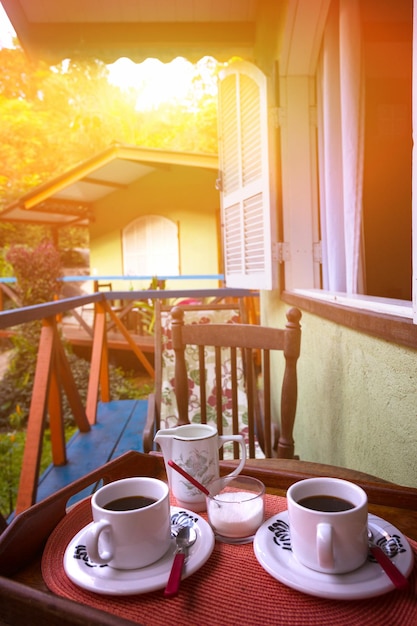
point(195, 448)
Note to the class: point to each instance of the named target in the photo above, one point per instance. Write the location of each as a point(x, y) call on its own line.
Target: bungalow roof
point(69, 198)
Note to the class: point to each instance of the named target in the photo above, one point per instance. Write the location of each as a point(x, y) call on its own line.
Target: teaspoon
point(392, 571)
point(185, 538)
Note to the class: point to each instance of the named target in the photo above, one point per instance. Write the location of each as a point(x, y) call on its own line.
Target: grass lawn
point(11, 452)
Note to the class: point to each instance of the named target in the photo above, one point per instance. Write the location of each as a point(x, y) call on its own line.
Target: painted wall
point(357, 398)
point(183, 194)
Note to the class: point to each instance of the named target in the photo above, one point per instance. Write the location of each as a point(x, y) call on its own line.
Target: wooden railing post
point(56, 422)
point(51, 370)
point(99, 373)
point(33, 447)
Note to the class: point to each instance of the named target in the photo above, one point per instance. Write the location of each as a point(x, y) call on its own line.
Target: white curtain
point(341, 142)
point(414, 174)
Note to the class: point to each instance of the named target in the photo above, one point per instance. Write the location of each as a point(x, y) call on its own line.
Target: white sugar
point(236, 517)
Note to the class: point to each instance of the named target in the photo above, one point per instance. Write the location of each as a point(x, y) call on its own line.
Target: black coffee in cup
point(326, 503)
point(129, 503)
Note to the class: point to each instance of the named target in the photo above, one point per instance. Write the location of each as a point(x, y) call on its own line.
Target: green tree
point(51, 118)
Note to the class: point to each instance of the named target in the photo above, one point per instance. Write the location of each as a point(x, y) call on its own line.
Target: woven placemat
point(231, 588)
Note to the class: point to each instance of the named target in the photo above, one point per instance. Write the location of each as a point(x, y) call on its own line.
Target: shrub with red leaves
point(37, 272)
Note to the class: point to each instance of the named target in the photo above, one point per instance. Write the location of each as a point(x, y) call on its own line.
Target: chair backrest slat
point(234, 397)
point(202, 376)
point(234, 335)
point(267, 431)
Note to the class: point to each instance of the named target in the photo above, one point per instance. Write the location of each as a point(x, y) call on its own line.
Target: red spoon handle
point(173, 583)
point(399, 580)
point(190, 478)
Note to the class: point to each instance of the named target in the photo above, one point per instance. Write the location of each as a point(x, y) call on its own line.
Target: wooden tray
point(24, 598)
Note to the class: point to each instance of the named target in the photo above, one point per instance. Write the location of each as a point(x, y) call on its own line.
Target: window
point(377, 248)
point(346, 159)
point(150, 247)
point(364, 152)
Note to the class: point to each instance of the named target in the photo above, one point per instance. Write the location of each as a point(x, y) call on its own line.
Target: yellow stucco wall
point(183, 194)
point(357, 403)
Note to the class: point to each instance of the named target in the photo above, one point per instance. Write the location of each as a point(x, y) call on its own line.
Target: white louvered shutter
point(245, 192)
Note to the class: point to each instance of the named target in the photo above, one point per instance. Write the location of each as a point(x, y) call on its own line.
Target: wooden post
point(96, 372)
point(104, 372)
point(181, 376)
point(288, 406)
point(56, 420)
point(33, 447)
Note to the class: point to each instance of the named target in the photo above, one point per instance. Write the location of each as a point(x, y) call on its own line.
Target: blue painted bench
point(119, 428)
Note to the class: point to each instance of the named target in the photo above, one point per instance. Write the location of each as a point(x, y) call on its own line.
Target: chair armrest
point(150, 426)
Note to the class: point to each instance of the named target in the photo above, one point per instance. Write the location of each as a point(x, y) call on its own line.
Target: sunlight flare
point(154, 81)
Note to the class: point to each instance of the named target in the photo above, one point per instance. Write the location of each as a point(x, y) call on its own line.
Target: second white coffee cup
point(328, 520)
point(132, 524)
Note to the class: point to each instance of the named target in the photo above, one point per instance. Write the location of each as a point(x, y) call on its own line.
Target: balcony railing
point(53, 374)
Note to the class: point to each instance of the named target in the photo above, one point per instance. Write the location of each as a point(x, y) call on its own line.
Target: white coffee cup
point(129, 538)
point(330, 541)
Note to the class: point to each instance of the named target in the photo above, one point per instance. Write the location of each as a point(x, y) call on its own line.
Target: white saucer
point(272, 546)
point(107, 580)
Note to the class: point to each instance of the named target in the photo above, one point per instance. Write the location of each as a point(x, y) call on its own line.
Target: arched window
point(150, 247)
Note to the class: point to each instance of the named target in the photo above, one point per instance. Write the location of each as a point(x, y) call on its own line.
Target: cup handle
point(92, 538)
point(324, 543)
point(241, 440)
